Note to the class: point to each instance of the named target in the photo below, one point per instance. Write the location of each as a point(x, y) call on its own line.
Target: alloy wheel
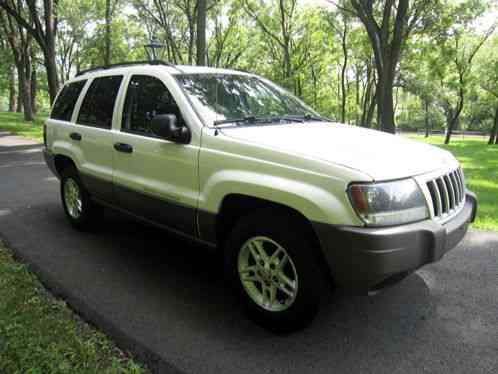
point(268, 274)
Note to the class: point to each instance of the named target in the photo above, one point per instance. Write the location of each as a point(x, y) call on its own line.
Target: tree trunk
point(49, 51)
point(201, 32)
point(493, 137)
point(426, 105)
point(24, 75)
point(357, 96)
point(385, 102)
point(371, 111)
point(343, 72)
point(34, 89)
point(24, 94)
point(19, 106)
point(12, 89)
point(315, 86)
point(107, 38)
point(52, 78)
point(453, 120)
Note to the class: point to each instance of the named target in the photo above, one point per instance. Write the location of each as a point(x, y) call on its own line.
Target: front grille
point(447, 193)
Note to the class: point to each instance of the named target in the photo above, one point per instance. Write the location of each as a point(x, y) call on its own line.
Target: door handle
point(123, 147)
point(75, 136)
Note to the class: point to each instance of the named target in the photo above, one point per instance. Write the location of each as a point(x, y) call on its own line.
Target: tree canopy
point(385, 64)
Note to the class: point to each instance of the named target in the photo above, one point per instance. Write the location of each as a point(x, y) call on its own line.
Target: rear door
point(58, 126)
point(154, 178)
point(93, 132)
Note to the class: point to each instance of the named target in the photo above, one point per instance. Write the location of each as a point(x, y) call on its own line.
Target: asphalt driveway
point(166, 301)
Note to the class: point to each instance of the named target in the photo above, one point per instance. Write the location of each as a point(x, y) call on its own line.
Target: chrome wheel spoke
point(258, 251)
point(279, 258)
point(286, 282)
point(249, 274)
point(262, 275)
point(282, 288)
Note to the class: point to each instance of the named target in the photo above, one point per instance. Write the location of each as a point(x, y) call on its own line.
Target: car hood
point(382, 156)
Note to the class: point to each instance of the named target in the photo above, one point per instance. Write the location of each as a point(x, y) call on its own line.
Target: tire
point(275, 230)
point(84, 216)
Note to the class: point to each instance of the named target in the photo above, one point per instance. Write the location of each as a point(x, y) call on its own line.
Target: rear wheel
point(80, 210)
point(269, 258)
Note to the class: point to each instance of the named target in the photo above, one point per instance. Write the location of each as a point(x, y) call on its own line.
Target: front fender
point(313, 202)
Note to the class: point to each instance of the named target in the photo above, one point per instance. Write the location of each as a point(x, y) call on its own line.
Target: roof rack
point(129, 63)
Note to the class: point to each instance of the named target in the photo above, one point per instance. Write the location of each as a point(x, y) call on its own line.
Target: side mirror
point(164, 126)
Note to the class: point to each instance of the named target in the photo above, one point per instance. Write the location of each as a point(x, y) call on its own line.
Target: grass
point(40, 334)
point(14, 123)
point(480, 163)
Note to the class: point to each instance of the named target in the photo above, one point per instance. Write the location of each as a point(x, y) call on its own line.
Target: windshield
point(223, 98)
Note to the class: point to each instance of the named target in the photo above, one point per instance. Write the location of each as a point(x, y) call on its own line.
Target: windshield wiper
point(305, 117)
point(254, 119)
point(290, 119)
point(311, 117)
point(247, 119)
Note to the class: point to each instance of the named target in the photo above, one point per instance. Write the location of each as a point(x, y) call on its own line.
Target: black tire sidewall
point(83, 222)
point(286, 231)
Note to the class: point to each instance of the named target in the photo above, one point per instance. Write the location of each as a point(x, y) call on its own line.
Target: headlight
point(388, 203)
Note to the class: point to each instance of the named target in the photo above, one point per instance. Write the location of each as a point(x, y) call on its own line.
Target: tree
point(459, 45)
point(230, 37)
point(20, 44)
point(12, 89)
point(72, 34)
point(388, 23)
point(110, 7)
point(41, 24)
point(287, 37)
point(489, 83)
point(340, 22)
point(201, 32)
point(7, 71)
point(179, 21)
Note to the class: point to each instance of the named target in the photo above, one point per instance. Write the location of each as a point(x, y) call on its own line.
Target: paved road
point(167, 302)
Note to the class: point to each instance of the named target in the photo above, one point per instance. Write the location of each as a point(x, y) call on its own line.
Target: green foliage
point(40, 334)
point(248, 35)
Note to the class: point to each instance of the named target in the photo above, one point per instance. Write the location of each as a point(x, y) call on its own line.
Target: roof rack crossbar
point(129, 63)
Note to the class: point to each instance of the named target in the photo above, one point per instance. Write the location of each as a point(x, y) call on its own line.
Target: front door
point(154, 178)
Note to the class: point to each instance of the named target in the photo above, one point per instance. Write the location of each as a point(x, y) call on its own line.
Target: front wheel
point(271, 261)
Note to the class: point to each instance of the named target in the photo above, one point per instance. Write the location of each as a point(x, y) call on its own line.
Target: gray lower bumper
point(363, 259)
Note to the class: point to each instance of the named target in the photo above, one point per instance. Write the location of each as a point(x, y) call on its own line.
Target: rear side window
point(64, 105)
point(98, 104)
point(147, 97)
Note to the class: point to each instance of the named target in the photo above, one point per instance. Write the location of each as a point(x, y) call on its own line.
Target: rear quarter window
point(98, 105)
point(64, 105)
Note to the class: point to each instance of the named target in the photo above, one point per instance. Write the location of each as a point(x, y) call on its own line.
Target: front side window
point(98, 105)
point(64, 105)
point(147, 97)
point(223, 97)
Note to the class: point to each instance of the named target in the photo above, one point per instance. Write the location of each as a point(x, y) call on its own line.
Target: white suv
point(230, 160)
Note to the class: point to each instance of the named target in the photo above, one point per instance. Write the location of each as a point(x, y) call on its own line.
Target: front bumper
point(364, 259)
